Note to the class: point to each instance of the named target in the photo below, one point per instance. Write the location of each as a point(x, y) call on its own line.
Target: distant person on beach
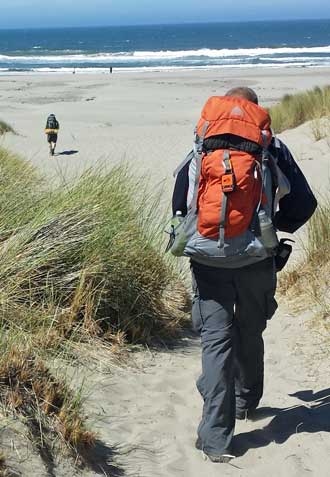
point(237, 187)
point(52, 127)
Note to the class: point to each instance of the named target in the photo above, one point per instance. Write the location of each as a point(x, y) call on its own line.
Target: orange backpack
point(230, 183)
point(230, 179)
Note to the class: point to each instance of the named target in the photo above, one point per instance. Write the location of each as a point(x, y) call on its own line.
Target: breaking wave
point(285, 56)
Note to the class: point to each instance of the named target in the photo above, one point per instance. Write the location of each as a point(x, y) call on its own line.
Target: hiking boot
point(220, 459)
point(198, 444)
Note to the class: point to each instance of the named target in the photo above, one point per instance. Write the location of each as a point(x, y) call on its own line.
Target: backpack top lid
point(237, 116)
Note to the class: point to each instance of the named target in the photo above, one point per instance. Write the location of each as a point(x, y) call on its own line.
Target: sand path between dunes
point(154, 411)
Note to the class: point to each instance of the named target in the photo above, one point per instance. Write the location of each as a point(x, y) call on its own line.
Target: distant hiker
point(232, 192)
point(52, 127)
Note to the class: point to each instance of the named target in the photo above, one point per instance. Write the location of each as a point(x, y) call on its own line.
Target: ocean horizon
point(298, 43)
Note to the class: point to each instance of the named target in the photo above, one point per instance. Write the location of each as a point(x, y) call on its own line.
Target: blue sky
point(41, 13)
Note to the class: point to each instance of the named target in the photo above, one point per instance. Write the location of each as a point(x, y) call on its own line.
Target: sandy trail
point(154, 411)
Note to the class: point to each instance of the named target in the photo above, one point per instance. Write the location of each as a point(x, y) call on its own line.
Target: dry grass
point(320, 128)
point(296, 109)
point(50, 410)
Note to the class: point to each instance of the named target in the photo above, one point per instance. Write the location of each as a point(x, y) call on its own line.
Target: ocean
point(132, 48)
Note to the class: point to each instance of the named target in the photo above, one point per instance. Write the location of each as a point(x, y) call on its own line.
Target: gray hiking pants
point(230, 311)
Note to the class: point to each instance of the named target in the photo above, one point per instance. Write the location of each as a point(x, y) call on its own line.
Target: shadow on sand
point(102, 460)
point(67, 153)
point(311, 416)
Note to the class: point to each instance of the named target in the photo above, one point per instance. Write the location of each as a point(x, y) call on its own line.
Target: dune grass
point(79, 262)
point(319, 234)
point(307, 284)
point(309, 279)
point(90, 251)
point(296, 109)
point(5, 127)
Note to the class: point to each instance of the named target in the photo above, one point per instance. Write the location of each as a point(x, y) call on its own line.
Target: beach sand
point(147, 119)
point(151, 410)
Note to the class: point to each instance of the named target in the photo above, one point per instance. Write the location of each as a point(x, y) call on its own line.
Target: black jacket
point(294, 209)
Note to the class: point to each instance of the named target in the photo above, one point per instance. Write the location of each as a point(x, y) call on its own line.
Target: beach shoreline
point(45, 71)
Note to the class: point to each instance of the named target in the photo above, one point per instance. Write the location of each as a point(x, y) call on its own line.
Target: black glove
point(284, 250)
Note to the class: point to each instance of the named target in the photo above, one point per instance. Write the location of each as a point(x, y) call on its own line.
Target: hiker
point(238, 185)
point(52, 127)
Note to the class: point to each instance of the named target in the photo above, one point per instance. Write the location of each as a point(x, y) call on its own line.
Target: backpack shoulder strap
point(198, 148)
point(188, 158)
point(197, 157)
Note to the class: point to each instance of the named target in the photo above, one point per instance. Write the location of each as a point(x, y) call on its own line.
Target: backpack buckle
point(228, 182)
point(228, 178)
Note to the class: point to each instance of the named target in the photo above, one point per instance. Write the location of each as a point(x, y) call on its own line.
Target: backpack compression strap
point(227, 185)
